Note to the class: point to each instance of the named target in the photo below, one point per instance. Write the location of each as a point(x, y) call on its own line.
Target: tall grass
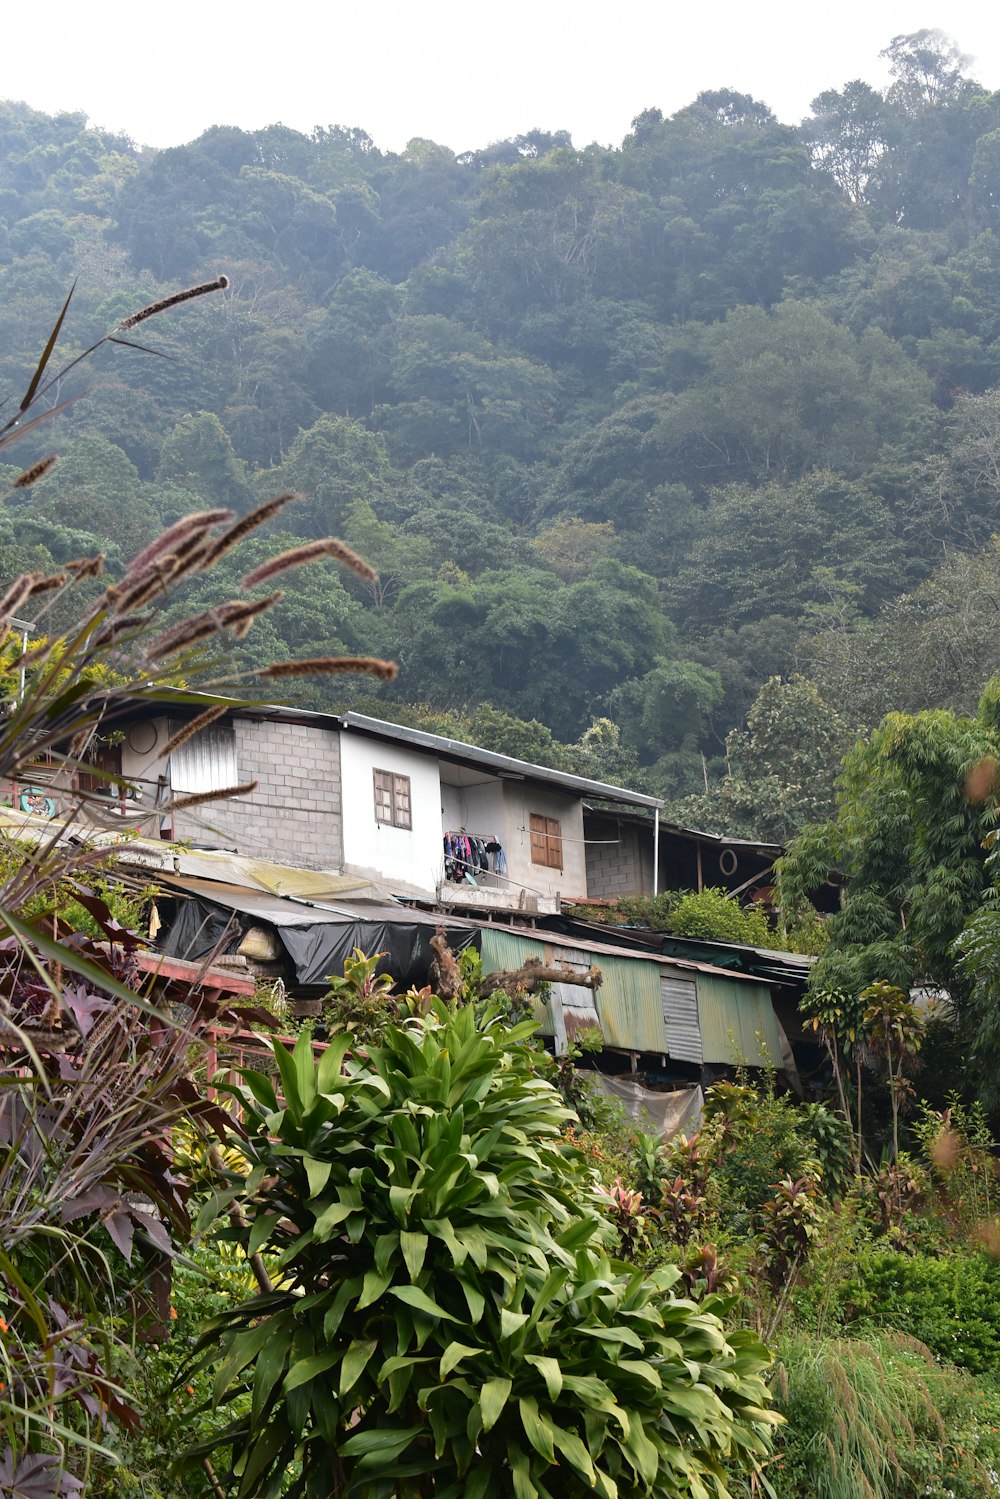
point(879, 1419)
point(92, 1076)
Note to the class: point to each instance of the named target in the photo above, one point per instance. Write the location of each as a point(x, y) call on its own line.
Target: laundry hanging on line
point(469, 854)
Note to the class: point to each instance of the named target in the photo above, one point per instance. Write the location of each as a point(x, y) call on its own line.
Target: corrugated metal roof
point(638, 942)
point(738, 1023)
point(292, 910)
point(471, 754)
point(450, 749)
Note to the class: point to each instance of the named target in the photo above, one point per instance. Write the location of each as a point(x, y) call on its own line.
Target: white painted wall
point(479, 810)
point(413, 859)
point(504, 807)
point(519, 802)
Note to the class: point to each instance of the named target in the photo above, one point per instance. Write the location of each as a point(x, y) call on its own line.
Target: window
point(546, 841)
point(392, 799)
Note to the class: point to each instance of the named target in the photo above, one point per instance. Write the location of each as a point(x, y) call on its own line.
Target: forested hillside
point(628, 432)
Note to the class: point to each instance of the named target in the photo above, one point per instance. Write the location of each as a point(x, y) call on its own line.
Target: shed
point(690, 1012)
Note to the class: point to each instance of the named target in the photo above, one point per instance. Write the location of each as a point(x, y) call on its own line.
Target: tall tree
point(916, 803)
point(847, 135)
point(780, 770)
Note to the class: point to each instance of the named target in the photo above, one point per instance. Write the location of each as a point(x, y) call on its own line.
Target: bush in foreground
point(454, 1325)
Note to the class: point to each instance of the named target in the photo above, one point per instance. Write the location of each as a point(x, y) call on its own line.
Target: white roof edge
point(457, 749)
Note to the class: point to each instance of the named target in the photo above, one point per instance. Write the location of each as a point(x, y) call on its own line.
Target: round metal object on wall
point(34, 800)
point(142, 737)
point(728, 863)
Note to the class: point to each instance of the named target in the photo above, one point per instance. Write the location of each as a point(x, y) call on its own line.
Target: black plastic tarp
point(317, 939)
point(319, 951)
point(200, 928)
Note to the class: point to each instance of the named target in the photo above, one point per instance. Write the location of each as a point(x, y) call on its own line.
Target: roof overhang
point(456, 752)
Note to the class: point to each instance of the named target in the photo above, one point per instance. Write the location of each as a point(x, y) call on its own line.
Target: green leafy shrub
point(171, 1409)
point(455, 1325)
point(711, 914)
point(763, 1142)
point(361, 1001)
point(829, 1139)
point(950, 1302)
point(789, 1223)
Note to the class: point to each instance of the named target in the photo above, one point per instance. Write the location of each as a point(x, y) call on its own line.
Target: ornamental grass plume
point(174, 300)
point(243, 527)
point(94, 1075)
point(119, 653)
point(192, 728)
point(311, 551)
point(116, 655)
point(200, 798)
point(319, 666)
point(37, 471)
point(182, 530)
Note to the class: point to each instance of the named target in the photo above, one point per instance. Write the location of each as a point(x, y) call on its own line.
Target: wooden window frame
point(393, 801)
point(546, 839)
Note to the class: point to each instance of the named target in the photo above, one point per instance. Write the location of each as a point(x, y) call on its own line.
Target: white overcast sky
point(460, 74)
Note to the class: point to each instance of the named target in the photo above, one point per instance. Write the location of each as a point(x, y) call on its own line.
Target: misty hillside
point(627, 432)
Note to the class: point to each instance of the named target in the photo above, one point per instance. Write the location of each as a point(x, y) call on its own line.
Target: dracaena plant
point(452, 1323)
point(84, 1171)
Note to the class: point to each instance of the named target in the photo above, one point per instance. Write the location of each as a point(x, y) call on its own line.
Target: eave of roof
point(771, 960)
point(455, 751)
point(459, 753)
point(722, 840)
point(610, 949)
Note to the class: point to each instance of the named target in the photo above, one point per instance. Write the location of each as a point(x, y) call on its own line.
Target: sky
point(459, 74)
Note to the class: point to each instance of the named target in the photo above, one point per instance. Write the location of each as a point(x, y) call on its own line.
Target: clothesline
point(466, 854)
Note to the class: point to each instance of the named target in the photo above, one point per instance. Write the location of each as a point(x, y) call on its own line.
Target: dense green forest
point(679, 461)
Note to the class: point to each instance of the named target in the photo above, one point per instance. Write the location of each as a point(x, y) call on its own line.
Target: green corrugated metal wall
point(628, 1001)
point(629, 1004)
point(503, 949)
point(735, 1018)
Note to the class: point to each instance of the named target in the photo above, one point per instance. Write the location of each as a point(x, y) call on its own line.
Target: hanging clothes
point(469, 854)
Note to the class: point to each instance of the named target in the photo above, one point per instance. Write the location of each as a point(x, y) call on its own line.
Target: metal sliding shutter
point(680, 1017)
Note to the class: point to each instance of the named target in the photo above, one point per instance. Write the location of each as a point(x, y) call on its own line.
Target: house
point(426, 817)
point(354, 836)
point(677, 1021)
point(630, 852)
point(674, 1018)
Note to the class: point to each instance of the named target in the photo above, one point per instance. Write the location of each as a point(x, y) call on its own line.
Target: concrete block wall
point(615, 865)
point(295, 814)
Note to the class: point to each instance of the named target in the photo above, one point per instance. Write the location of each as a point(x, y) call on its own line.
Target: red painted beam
point(213, 979)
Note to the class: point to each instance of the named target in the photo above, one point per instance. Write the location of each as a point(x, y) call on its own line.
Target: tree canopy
point(628, 430)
